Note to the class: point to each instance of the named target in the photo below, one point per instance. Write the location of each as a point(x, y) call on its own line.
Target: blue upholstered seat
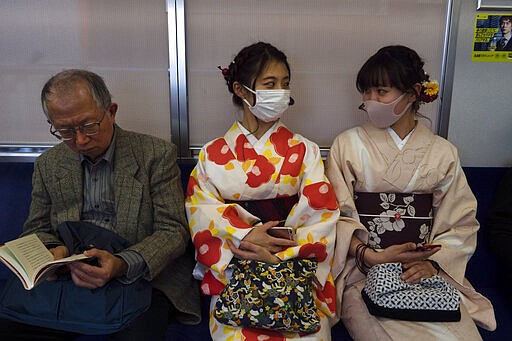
point(15, 188)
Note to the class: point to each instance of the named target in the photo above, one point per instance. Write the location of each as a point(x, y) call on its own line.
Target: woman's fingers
point(414, 272)
point(248, 250)
point(407, 253)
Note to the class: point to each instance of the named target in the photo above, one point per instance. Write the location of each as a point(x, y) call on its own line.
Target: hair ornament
point(225, 71)
point(429, 91)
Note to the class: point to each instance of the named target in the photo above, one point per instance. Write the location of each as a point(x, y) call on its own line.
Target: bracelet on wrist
point(435, 265)
point(359, 257)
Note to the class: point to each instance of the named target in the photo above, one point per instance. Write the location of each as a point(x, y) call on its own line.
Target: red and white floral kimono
point(279, 164)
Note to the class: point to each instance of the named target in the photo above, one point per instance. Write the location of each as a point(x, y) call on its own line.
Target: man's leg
point(152, 324)
point(11, 330)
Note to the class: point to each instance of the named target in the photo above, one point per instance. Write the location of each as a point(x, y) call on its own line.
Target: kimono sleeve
point(314, 216)
point(343, 181)
point(212, 221)
point(455, 225)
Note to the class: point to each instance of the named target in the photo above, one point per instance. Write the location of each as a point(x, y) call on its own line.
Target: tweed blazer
point(149, 208)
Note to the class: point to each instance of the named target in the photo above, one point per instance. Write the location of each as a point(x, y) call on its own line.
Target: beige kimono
point(366, 159)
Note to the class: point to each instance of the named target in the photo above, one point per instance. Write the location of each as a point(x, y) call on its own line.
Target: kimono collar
point(257, 143)
point(400, 143)
point(401, 164)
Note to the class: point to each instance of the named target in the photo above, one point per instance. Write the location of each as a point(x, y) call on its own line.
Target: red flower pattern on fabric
point(293, 160)
point(231, 214)
point(260, 173)
point(192, 182)
point(218, 152)
point(328, 295)
point(243, 149)
point(321, 196)
point(280, 140)
point(208, 248)
point(313, 250)
point(258, 335)
point(211, 285)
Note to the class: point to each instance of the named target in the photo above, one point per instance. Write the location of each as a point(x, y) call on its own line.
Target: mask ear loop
point(253, 93)
point(257, 119)
point(240, 91)
point(407, 106)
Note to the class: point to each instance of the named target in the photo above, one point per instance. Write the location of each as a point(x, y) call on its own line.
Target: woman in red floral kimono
point(256, 160)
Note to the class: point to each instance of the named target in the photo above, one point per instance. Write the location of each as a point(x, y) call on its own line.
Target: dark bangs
point(381, 70)
point(269, 56)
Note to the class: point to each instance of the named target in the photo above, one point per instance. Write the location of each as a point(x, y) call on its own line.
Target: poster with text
point(492, 38)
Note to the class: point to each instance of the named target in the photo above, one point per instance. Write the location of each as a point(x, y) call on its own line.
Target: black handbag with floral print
point(277, 297)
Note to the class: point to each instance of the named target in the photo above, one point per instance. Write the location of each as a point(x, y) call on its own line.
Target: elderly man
point(124, 182)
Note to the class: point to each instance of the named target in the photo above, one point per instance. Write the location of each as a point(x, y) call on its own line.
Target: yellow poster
point(492, 39)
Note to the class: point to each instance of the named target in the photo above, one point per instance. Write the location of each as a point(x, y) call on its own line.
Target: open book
point(31, 261)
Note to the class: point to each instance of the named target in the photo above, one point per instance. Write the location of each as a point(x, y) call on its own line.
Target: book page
point(50, 268)
point(12, 263)
point(30, 253)
point(31, 261)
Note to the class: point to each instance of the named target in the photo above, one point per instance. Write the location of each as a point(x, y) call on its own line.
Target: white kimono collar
point(398, 141)
point(257, 144)
point(401, 164)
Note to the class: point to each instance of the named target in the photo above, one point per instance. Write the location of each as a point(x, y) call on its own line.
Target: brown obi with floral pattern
point(395, 218)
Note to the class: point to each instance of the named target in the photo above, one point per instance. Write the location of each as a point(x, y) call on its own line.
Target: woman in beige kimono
point(394, 162)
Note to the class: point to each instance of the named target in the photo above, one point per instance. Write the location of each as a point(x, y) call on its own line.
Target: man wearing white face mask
point(399, 186)
point(257, 176)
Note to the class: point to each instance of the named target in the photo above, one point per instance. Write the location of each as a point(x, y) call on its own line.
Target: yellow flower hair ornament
point(429, 91)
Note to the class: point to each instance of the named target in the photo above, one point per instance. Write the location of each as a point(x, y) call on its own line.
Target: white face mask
point(382, 115)
point(270, 104)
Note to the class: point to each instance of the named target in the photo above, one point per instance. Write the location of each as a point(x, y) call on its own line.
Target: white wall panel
point(125, 41)
point(326, 42)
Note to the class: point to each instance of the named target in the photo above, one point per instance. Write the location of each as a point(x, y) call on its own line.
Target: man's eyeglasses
point(67, 134)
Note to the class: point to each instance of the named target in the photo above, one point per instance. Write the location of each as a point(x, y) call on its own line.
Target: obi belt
point(395, 218)
point(275, 209)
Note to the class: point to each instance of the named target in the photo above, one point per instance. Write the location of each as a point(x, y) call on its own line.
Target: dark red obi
point(395, 218)
point(275, 209)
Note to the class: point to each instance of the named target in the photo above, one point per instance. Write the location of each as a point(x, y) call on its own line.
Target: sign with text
point(492, 38)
